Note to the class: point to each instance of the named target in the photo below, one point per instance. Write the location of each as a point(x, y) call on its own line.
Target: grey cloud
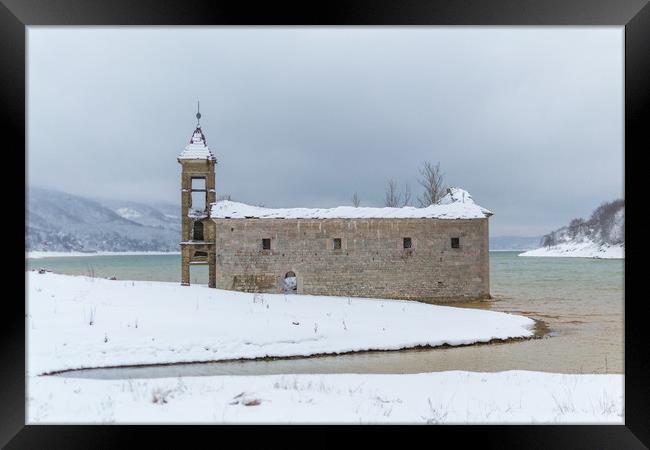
point(529, 120)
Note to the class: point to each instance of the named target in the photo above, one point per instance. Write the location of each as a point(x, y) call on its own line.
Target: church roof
point(198, 147)
point(456, 204)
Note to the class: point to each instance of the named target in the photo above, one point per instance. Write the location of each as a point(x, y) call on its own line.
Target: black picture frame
point(634, 15)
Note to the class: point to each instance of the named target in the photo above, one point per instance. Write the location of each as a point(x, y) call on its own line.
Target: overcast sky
point(528, 120)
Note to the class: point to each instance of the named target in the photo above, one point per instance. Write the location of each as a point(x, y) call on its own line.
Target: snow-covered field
point(43, 254)
point(442, 397)
point(585, 249)
point(75, 322)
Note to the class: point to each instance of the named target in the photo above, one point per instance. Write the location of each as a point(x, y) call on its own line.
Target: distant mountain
point(154, 215)
point(601, 236)
point(514, 242)
point(57, 221)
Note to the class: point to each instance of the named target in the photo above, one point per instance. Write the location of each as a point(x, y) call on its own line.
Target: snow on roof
point(456, 204)
point(197, 148)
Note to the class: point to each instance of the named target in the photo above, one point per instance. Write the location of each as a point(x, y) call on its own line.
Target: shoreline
point(571, 256)
point(540, 331)
point(585, 249)
point(164, 327)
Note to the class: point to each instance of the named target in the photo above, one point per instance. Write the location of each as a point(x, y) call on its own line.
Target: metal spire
point(198, 114)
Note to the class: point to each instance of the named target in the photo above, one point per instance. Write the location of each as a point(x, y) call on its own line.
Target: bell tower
point(197, 194)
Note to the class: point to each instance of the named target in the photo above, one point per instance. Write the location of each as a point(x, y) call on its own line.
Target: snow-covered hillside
point(61, 222)
point(154, 215)
point(602, 236)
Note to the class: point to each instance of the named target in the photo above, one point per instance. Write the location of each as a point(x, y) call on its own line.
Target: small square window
point(407, 243)
point(266, 244)
point(455, 242)
point(337, 244)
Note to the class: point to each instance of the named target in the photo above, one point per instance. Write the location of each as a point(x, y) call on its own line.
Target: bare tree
point(356, 201)
point(577, 227)
point(549, 240)
point(406, 196)
point(224, 197)
point(432, 180)
point(603, 219)
point(392, 197)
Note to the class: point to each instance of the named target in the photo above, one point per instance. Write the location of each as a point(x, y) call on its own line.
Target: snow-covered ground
point(584, 249)
point(442, 397)
point(44, 254)
point(76, 322)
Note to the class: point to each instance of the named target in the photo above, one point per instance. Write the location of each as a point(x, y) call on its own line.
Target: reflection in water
point(580, 300)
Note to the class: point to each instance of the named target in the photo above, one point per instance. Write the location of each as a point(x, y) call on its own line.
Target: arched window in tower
point(198, 231)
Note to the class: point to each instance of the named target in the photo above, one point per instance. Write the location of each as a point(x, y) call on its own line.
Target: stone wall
point(371, 262)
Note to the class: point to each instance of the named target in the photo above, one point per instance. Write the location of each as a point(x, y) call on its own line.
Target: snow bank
point(44, 254)
point(584, 249)
point(75, 322)
point(444, 397)
point(457, 204)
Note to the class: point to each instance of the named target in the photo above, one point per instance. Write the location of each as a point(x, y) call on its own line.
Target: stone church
point(435, 254)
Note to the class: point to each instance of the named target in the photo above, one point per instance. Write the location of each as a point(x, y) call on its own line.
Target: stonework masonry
point(372, 260)
point(197, 249)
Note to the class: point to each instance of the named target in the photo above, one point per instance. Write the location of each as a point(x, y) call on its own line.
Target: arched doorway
point(199, 275)
point(290, 283)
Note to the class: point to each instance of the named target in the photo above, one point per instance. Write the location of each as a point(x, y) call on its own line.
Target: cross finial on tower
point(198, 114)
